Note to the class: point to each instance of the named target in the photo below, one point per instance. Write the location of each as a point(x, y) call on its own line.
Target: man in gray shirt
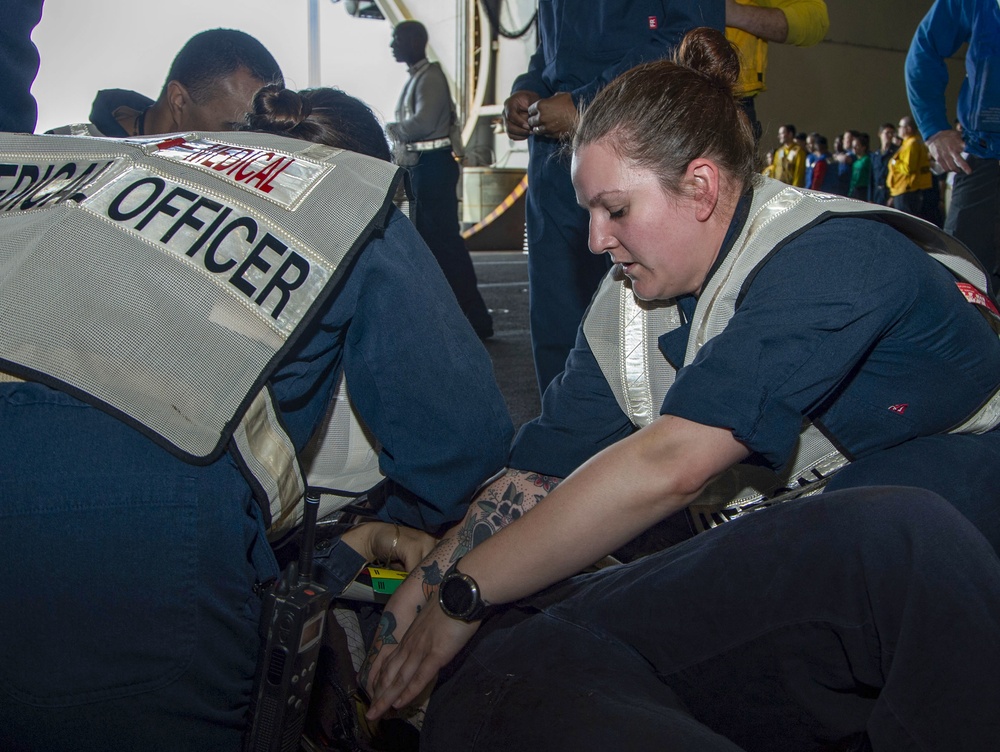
point(424, 137)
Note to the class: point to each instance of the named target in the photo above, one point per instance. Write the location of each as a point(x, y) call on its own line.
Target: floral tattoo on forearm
point(494, 510)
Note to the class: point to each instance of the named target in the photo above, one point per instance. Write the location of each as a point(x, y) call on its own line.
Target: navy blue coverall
point(581, 48)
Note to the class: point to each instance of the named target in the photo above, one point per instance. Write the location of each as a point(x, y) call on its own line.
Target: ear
point(178, 103)
point(702, 175)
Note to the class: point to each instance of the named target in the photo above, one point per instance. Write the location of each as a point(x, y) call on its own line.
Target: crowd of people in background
point(896, 171)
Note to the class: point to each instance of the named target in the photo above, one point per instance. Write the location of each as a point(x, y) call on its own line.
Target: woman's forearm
point(614, 496)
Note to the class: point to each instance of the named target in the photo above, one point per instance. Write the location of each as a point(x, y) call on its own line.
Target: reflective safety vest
point(623, 333)
point(163, 279)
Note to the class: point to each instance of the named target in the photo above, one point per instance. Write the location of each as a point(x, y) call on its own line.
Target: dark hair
point(890, 126)
point(819, 138)
point(864, 138)
point(663, 114)
point(788, 127)
point(412, 30)
point(214, 54)
point(323, 116)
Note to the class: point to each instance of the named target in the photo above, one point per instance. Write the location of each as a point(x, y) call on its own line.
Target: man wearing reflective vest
point(179, 311)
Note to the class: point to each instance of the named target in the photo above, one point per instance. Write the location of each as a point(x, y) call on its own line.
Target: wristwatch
point(459, 596)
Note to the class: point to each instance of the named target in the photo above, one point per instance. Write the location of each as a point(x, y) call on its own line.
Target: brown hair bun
point(705, 50)
point(278, 110)
point(662, 114)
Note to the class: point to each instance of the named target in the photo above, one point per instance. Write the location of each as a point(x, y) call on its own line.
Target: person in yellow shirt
point(789, 162)
point(768, 171)
point(909, 170)
point(751, 24)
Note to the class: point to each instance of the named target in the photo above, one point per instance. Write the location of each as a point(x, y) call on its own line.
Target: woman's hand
point(429, 644)
point(382, 541)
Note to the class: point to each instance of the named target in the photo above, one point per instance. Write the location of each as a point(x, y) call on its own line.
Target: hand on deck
point(432, 640)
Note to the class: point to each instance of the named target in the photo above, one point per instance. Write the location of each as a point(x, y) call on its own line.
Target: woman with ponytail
point(324, 116)
point(755, 344)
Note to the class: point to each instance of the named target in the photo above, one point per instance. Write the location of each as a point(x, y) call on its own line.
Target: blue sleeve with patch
point(843, 324)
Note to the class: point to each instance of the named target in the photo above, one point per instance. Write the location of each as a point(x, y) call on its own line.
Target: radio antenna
point(309, 516)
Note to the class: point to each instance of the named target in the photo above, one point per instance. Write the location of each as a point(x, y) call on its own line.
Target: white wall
point(86, 45)
point(851, 80)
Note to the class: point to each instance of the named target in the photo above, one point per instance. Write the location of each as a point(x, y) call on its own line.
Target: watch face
point(457, 596)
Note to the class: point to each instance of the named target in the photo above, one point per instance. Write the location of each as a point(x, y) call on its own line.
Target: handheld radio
point(292, 621)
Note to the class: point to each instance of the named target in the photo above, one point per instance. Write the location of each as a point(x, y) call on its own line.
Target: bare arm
point(802, 23)
point(766, 23)
point(614, 496)
point(382, 541)
point(499, 504)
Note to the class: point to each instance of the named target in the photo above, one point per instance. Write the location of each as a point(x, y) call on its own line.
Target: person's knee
point(904, 508)
point(913, 528)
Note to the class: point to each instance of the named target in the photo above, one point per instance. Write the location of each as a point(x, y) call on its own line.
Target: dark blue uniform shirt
point(849, 324)
point(583, 47)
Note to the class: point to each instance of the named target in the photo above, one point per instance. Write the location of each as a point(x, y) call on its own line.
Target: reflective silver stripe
point(76, 129)
point(270, 457)
point(437, 143)
point(705, 518)
point(635, 365)
point(746, 488)
point(624, 342)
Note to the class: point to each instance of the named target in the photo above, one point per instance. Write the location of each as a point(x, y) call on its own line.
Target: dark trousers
point(911, 203)
point(871, 611)
point(434, 180)
point(128, 619)
point(961, 468)
point(974, 214)
point(749, 105)
point(562, 273)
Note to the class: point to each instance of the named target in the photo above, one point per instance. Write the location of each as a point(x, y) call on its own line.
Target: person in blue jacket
point(580, 50)
point(974, 153)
